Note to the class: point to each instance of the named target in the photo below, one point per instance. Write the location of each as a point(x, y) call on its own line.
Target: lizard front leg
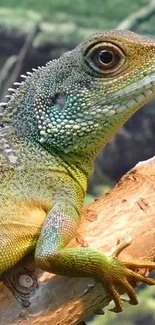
point(52, 256)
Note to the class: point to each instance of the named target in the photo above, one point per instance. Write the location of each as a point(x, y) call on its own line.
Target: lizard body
point(54, 125)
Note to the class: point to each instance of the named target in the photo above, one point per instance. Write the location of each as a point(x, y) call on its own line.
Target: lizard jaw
point(134, 96)
point(138, 96)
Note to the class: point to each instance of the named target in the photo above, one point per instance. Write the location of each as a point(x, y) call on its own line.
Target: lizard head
point(77, 102)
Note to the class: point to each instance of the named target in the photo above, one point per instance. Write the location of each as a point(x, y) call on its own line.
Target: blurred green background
point(35, 31)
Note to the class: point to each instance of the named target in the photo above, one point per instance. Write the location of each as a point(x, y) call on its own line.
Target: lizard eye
point(104, 58)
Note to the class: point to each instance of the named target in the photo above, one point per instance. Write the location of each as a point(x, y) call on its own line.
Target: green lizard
point(54, 125)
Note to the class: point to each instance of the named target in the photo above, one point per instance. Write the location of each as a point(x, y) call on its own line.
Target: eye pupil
point(106, 57)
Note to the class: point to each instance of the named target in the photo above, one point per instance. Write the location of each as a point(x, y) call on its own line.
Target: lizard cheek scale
point(54, 125)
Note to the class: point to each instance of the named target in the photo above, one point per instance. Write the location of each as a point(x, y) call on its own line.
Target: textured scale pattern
point(54, 125)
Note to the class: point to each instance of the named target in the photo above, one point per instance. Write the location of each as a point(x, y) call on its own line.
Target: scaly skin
point(55, 124)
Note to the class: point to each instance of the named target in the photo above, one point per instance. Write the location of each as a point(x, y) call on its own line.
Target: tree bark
point(127, 210)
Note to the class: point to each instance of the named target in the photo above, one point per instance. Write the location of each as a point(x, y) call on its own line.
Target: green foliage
point(99, 14)
point(18, 20)
point(67, 21)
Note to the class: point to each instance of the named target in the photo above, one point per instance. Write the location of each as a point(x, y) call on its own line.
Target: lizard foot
point(122, 273)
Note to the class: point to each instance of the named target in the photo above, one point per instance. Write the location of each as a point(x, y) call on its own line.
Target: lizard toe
point(116, 298)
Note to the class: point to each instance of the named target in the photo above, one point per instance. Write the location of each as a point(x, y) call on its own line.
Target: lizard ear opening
point(104, 58)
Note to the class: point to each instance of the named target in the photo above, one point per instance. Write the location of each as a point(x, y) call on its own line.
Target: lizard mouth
point(145, 86)
point(137, 94)
point(133, 96)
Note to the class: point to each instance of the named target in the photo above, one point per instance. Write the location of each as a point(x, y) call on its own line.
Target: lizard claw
point(122, 274)
point(99, 312)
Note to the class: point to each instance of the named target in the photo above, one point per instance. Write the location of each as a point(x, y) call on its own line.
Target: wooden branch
point(6, 70)
point(134, 20)
point(128, 210)
point(24, 52)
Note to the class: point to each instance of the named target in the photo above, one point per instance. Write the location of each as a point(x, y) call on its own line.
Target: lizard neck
point(78, 165)
point(30, 154)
